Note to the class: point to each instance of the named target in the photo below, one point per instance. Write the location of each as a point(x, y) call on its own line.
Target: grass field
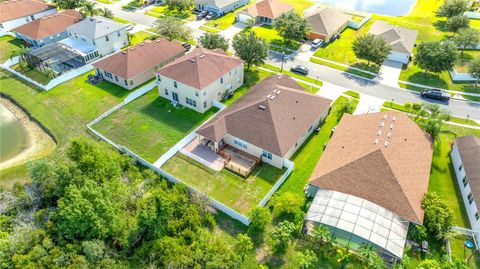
point(138, 37)
point(165, 11)
point(150, 125)
point(239, 193)
point(342, 68)
point(272, 36)
point(120, 20)
point(225, 21)
point(7, 45)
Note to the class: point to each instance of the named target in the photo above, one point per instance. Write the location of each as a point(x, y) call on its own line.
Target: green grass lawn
point(138, 37)
point(353, 94)
point(150, 125)
point(239, 193)
point(32, 73)
point(164, 10)
point(272, 36)
point(120, 20)
point(342, 68)
point(7, 45)
point(65, 110)
point(225, 21)
point(208, 29)
point(461, 66)
point(309, 153)
point(307, 81)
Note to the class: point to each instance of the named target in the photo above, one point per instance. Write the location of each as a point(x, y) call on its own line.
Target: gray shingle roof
point(400, 39)
point(327, 20)
point(95, 27)
point(216, 3)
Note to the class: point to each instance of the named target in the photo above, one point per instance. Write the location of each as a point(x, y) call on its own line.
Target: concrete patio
point(204, 155)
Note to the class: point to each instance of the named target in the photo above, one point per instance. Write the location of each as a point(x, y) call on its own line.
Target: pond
point(384, 7)
point(13, 136)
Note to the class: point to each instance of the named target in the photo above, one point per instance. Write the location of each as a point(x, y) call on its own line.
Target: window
point(238, 80)
point(93, 42)
point(166, 92)
point(477, 216)
point(309, 129)
point(267, 154)
point(131, 82)
point(126, 82)
point(460, 168)
point(221, 80)
point(175, 84)
point(191, 102)
point(31, 17)
point(106, 38)
point(204, 93)
point(108, 75)
point(465, 181)
point(159, 78)
point(240, 143)
point(196, 94)
point(118, 33)
point(470, 198)
point(204, 104)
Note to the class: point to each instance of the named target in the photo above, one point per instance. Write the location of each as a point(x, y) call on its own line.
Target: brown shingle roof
point(200, 68)
point(15, 9)
point(400, 39)
point(49, 25)
point(327, 20)
point(469, 148)
point(141, 57)
point(268, 8)
point(273, 124)
point(390, 168)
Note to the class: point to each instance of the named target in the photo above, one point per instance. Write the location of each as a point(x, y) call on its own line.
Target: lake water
point(13, 136)
point(385, 7)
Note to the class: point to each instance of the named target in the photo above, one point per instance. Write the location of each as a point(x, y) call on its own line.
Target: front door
point(175, 96)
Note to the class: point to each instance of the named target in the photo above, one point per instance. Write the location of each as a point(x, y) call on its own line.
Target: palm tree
point(49, 73)
point(105, 12)
point(369, 258)
point(89, 9)
point(431, 118)
point(22, 51)
point(322, 236)
point(343, 256)
point(447, 236)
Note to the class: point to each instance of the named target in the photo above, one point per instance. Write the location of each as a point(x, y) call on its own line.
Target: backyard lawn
point(461, 66)
point(150, 125)
point(272, 36)
point(239, 193)
point(225, 21)
point(165, 11)
point(32, 73)
point(138, 37)
point(7, 45)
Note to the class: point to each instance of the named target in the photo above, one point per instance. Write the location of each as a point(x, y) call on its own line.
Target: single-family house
point(14, 13)
point(402, 40)
point(370, 181)
point(466, 162)
point(220, 7)
point(270, 122)
point(97, 35)
point(138, 64)
point(199, 78)
point(265, 12)
point(48, 29)
point(327, 22)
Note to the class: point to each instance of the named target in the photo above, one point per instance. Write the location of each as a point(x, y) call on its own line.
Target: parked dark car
point(187, 46)
point(202, 15)
point(436, 94)
point(300, 69)
point(210, 16)
point(196, 11)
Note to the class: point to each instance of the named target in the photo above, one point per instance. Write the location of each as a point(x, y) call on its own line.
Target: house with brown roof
point(402, 40)
point(264, 12)
point(48, 29)
point(200, 78)
point(15, 13)
point(269, 123)
point(138, 64)
point(465, 157)
point(327, 22)
point(370, 181)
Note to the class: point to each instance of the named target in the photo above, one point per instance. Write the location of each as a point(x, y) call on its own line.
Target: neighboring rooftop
point(327, 20)
point(268, 8)
point(95, 27)
point(14, 9)
point(383, 157)
point(400, 39)
point(49, 25)
point(273, 115)
point(469, 148)
point(140, 58)
point(200, 68)
point(216, 3)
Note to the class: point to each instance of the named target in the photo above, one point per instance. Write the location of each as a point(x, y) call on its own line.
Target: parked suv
point(300, 69)
point(317, 43)
point(436, 94)
point(202, 15)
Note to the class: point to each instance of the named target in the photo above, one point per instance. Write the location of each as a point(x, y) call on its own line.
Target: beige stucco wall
point(116, 41)
point(276, 161)
point(212, 92)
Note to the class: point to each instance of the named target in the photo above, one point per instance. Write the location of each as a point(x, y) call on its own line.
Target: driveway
point(390, 72)
point(368, 104)
point(195, 24)
point(233, 30)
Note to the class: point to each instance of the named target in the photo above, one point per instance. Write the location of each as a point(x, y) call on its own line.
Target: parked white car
point(317, 43)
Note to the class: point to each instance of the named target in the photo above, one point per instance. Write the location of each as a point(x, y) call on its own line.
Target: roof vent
point(293, 118)
point(379, 132)
point(132, 48)
point(386, 143)
point(193, 60)
point(385, 116)
point(124, 52)
point(275, 91)
point(268, 96)
point(158, 40)
point(272, 97)
point(389, 134)
point(394, 119)
point(142, 44)
point(376, 141)
point(391, 126)
point(382, 123)
point(202, 56)
point(278, 92)
point(262, 107)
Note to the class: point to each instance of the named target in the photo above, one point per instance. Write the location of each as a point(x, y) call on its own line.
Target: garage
point(399, 57)
point(241, 17)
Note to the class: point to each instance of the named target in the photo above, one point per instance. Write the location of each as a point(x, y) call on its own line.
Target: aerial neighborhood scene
point(240, 134)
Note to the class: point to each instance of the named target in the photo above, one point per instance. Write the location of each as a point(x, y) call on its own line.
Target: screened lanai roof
point(360, 217)
point(55, 52)
point(82, 47)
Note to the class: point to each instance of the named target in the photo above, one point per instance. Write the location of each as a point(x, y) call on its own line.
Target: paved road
point(456, 107)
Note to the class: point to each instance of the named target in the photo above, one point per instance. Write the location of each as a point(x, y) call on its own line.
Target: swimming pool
point(385, 7)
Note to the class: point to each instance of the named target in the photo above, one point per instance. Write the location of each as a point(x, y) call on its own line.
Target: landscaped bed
point(150, 125)
point(239, 193)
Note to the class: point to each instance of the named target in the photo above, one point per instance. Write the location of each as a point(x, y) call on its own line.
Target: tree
point(417, 233)
point(343, 256)
point(93, 250)
point(180, 5)
point(260, 217)
point(172, 29)
point(250, 48)
point(371, 48)
point(49, 73)
point(282, 234)
point(431, 118)
point(292, 26)
point(105, 12)
point(369, 258)
point(243, 245)
point(287, 203)
point(88, 8)
point(448, 236)
point(467, 38)
point(438, 216)
point(455, 23)
point(321, 236)
point(436, 56)
point(306, 259)
point(452, 8)
point(21, 52)
point(214, 41)
point(68, 4)
point(346, 106)
point(474, 70)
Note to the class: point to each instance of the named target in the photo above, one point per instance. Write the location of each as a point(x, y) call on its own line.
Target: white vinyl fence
point(289, 165)
point(460, 76)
